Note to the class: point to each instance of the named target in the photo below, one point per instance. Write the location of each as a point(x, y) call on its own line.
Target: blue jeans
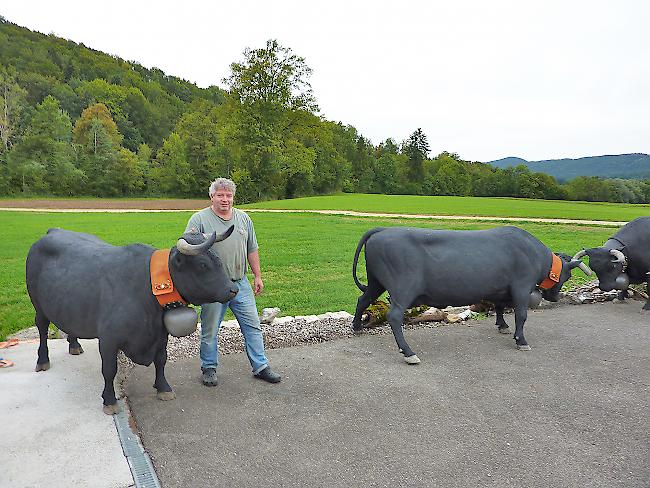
point(245, 311)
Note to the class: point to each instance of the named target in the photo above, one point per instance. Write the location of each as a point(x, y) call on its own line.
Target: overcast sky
point(485, 79)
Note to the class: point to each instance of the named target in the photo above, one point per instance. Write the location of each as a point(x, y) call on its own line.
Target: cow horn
point(580, 254)
point(583, 267)
point(193, 249)
point(620, 257)
point(226, 234)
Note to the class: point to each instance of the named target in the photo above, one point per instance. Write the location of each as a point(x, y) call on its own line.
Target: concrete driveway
point(476, 412)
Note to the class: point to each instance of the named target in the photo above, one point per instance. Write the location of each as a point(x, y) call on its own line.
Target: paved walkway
point(573, 412)
point(54, 433)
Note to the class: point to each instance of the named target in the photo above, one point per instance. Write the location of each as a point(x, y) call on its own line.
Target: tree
point(452, 178)
point(85, 130)
point(12, 102)
point(417, 149)
point(43, 160)
point(268, 91)
point(174, 174)
point(272, 75)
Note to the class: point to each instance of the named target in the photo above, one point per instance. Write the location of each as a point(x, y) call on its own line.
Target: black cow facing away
point(443, 268)
point(91, 289)
point(623, 259)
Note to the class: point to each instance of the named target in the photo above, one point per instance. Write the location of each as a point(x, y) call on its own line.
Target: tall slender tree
point(416, 147)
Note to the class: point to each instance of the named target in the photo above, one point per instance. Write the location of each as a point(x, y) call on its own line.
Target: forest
point(78, 122)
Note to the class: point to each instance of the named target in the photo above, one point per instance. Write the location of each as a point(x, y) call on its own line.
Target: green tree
point(43, 160)
point(12, 104)
point(91, 120)
point(273, 76)
point(173, 173)
point(267, 91)
point(416, 147)
point(452, 178)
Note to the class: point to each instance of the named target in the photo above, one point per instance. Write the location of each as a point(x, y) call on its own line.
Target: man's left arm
point(254, 262)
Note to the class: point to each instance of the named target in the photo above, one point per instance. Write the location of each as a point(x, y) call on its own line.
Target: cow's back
point(447, 263)
point(417, 246)
point(636, 233)
point(636, 237)
point(73, 278)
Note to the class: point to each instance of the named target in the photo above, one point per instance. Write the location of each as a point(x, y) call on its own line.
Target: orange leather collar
point(162, 285)
point(553, 275)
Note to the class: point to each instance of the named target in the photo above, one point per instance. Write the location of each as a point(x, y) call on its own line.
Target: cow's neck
point(615, 243)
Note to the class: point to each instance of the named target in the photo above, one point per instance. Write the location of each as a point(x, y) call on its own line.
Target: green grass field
point(479, 206)
point(306, 258)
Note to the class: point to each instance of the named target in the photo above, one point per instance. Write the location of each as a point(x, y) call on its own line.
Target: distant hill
point(145, 103)
point(630, 166)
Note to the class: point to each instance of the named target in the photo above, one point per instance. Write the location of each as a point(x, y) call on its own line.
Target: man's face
point(222, 200)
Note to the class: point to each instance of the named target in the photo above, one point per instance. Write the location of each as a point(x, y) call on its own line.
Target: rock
point(482, 306)
point(466, 314)
point(339, 315)
point(453, 318)
point(268, 314)
point(282, 320)
point(431, 315)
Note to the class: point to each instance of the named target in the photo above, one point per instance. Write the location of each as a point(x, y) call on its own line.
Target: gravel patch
point(312, 329)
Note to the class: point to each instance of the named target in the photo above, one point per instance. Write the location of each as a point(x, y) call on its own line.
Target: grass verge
point(306, 258)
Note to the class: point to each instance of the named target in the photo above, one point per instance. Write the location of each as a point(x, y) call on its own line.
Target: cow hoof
point(504, 330)
point(42, 367)
point(111, 409)
point(75, 351)
point(412, 359)
point(525, 347)
point(165, 396)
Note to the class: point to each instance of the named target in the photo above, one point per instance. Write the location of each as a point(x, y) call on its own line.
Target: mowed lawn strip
point(306, 258)
point(472, 206)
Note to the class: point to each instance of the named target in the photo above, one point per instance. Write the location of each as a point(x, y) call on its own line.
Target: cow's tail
point(362, 242)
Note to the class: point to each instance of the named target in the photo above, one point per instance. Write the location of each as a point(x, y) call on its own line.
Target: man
point(240, 247)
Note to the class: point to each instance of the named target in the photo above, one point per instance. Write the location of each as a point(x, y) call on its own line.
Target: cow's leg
point(74, 347)
point(621, 295)
point(161, 385)
point(395, 317)
point(521, 313)
point(42, 324)
point(501, 322)
point(108, 352)
point(371, 294)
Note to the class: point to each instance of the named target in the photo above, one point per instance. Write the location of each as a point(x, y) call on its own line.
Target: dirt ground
point(148, 204)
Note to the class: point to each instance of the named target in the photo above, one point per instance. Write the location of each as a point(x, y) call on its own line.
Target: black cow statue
point(623, 259)
point(91, 289)
point(504, 265)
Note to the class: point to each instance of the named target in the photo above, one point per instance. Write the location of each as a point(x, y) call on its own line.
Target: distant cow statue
point(623, 259)
point(91, 289)
point(440, 268)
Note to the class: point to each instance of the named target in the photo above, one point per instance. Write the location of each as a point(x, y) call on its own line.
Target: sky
point(484, 79)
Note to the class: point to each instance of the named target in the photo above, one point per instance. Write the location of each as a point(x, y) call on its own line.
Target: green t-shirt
point(234, 250)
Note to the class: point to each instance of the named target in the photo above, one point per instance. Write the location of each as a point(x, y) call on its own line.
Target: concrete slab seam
point(139, 462)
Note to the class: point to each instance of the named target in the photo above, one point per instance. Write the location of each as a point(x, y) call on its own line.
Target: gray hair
point(223, 183)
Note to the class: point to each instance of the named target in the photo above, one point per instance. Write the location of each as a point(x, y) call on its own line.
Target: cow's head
point(609, 266)
point(568, 264)
point(197, 271)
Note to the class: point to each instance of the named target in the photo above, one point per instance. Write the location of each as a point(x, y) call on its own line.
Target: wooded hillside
point(75, 121)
